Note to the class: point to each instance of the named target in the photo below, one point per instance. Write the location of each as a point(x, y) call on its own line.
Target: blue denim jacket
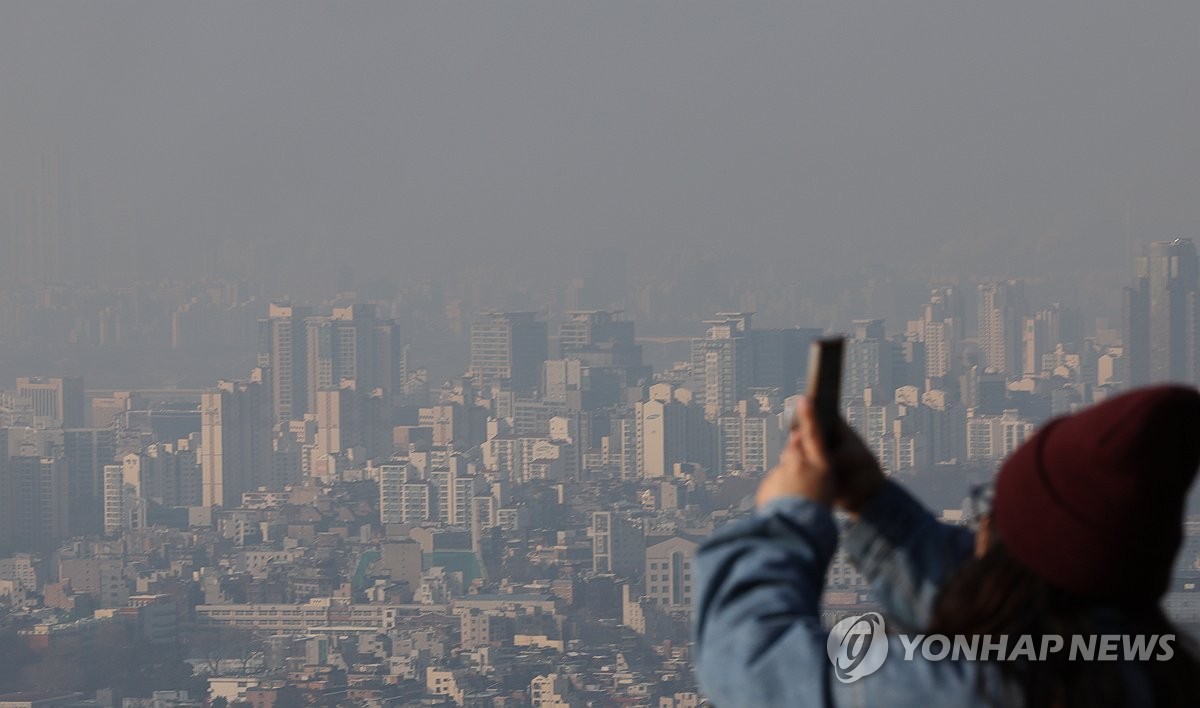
point(757, 628)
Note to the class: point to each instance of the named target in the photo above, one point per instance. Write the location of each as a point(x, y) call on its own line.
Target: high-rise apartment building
point(456, 485)
point(1135, 333)
point(353, 344)
point(671, 431)
point(235, 434)
point(283, 350)
point(993, 437)
point(167, 474)
point(1160, 314)
point(873, 417)
point(945, 426)
point(353, 423)
point(124, 505)
point(37, 507)
point(748, 440)
point(508, 347)
point(723, 363)
point(940, 329)
point(405, 498)
point(85, 452)
point(622, 452)
point(1001, 318)
point(337, 414)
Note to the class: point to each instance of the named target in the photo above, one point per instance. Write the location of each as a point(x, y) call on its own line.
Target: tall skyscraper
point(1135, 332)
point(1160, 314)
point(669, 430)
point(235, 440)
point(283, 349)
point(86, 451)
point(38, 510)
point(723, 363)
point(940, 329)
point(353, 422)
point(353, 344)
point(1001, 318)
point(945, 425)
point(508, 347)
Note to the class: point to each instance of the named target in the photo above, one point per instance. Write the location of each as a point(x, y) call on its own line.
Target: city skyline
point(367, 355)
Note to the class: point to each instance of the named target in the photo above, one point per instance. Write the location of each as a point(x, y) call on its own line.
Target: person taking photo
point(1080, 539)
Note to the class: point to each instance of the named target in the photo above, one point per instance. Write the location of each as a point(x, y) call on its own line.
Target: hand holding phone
point(842, 471)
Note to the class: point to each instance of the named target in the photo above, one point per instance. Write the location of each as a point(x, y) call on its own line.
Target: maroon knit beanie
point(1094, 502)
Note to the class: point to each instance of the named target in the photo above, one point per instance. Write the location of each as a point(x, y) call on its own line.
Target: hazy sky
point(404, 136)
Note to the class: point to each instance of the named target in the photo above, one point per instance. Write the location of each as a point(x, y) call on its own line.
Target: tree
point(214, 645)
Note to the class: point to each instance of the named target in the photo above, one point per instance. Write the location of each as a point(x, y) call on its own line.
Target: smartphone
point(825, 385)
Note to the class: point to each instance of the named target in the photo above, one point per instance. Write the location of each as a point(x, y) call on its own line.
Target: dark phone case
point(825, 385)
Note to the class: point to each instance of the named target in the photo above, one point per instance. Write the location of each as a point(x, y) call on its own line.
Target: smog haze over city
point(443, 325)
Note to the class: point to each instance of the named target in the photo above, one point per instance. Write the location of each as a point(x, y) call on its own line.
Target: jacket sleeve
point(757, 628)
point(905, 554)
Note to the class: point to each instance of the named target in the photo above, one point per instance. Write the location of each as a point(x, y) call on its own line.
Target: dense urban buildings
point(517, 528)
point(383, 354)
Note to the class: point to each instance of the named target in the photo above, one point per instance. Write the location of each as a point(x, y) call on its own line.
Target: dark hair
point(997, 595)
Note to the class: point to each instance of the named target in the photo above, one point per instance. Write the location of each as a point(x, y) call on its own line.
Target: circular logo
point(857, 646)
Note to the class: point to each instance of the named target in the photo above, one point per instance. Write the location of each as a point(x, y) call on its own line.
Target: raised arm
point(758, 635)
point(905, 553)
point(759, 639)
